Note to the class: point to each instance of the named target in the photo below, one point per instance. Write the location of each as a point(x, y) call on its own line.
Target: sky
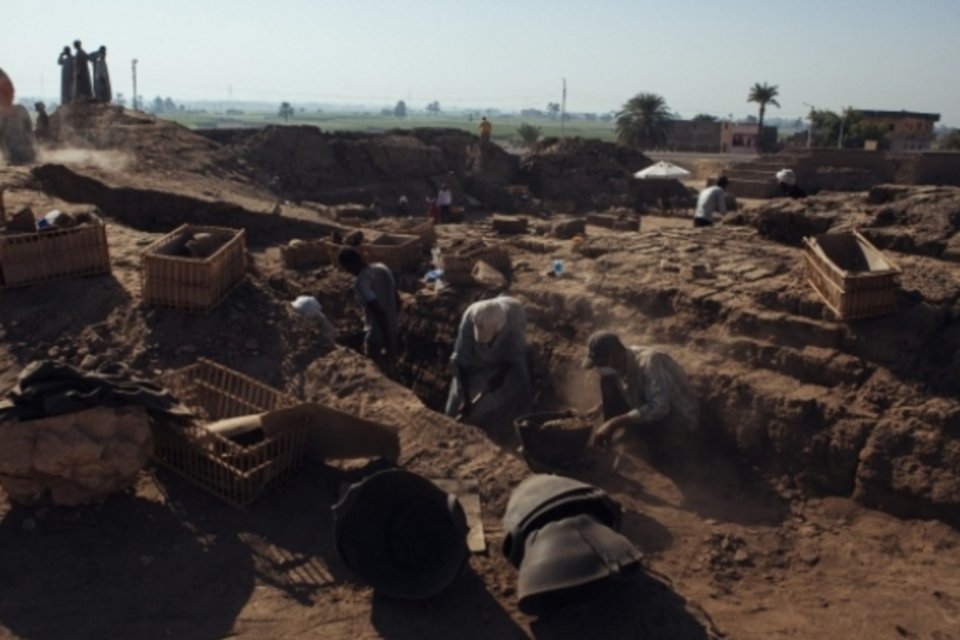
point(701, 56)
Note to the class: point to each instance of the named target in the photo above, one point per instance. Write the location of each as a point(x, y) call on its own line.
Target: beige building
point(906, 130)
point(743, 138)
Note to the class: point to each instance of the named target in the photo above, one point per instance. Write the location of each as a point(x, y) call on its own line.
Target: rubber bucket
point(556, 447)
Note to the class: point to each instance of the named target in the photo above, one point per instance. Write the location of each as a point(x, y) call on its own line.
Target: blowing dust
point(87, 158)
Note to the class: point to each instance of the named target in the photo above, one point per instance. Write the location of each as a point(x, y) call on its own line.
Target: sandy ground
point(735, 544)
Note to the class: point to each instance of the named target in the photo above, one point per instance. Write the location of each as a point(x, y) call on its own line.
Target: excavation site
point(200, 439)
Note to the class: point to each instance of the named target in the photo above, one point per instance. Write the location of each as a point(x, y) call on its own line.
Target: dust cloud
point(89, 158)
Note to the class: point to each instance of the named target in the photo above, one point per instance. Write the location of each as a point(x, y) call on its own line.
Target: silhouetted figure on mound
point(83, 86)
point(101, 76)
point(41, 130)
point(68, 77)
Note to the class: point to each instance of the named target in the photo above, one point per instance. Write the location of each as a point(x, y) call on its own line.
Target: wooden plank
point(468, 493)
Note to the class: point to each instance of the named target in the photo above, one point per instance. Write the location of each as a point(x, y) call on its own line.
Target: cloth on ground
point(47, 388)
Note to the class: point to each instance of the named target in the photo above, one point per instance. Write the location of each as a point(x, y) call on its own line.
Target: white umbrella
point(662, 170)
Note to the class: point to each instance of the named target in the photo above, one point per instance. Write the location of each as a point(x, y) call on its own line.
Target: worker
point(491, 385)
point(376, 290)
point(645, 393)
point(710, 201)
point(309, 307)
point(485, 127)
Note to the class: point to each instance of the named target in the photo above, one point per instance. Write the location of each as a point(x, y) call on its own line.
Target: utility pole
point(563, 107)
point(843, 119)
point(136, 102)
point(810, 128)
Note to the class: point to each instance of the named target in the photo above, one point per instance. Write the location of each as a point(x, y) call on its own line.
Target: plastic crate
point(192, 284)
point(851, 275)
point(235, 473)
point(29, 258)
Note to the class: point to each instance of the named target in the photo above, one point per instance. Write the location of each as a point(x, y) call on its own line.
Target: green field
point(504, 126)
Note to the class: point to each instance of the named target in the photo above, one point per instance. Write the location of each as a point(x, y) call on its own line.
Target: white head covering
point(489, 318)
point(307, 306)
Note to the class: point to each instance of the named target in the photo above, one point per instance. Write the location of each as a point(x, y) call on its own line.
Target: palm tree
point(763, 94)
point(644, 122)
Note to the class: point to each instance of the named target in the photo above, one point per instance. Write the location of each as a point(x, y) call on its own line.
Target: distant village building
point(743, 138)
point(906, 130)
point(700, 136)
point(703, 136)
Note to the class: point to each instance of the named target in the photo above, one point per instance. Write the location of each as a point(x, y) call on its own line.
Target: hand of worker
point(604, 435)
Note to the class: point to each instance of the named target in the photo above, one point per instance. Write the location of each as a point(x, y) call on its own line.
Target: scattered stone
point(741, 557)
point(53, 352)
point(89, 362)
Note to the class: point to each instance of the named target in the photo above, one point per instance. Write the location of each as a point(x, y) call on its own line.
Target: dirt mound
point(140, 142)
point(590, 174)
point(308, 164)
point(916, 220)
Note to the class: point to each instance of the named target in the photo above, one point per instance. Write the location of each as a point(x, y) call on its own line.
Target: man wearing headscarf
point(81, 71)
point(101, 76)
point(68, 78)
point(646, 394)
point(491, 385)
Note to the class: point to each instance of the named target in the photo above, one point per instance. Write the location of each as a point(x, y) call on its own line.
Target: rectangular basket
point(235, 473)
point(309, 253)
point(851, 275)
point(397, 251)
point(192, 284)
point(28, 258)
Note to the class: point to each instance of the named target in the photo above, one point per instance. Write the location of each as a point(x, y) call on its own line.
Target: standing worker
point(711, 200)
point(68, 79)
point(444, 200)
point(646, 394)
point(83, 87)
point(491, 385)
point(485, 128)
point(101, 76)
point(376, 290)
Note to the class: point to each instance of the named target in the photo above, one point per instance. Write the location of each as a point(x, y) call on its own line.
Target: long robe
point(495, 411)
point(101, 77)
point(68, 79)
point(84, 88)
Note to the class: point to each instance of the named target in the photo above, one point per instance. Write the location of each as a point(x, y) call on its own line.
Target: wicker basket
point(308, 254)
point(851, 275)
point(192, 284)
point(397, 251)
point(28, 258)
point(235, 473)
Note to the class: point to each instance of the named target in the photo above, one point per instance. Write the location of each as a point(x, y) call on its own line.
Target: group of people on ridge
point(76, 80)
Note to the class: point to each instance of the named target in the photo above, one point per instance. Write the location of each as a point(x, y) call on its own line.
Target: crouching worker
point(491, 385)
point(376, 291)
point(645, 395)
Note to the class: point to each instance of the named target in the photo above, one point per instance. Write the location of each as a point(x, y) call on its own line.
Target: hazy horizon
point(700, 56)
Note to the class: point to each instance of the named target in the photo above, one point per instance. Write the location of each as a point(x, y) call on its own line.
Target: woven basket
point(192, 284)
point(851, 275)
point(235, 473)
point(28, 258)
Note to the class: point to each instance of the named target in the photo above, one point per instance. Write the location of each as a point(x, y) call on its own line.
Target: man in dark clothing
point(41, 129)
point(83, 86)
point(68, 78)
point(376, 290)
point(101, 76)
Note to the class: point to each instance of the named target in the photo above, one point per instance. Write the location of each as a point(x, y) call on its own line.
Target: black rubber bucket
point(555, 447)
